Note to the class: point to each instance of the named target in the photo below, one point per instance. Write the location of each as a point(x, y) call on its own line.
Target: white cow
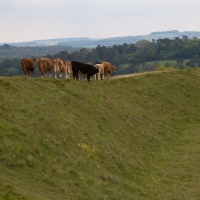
point(100, 74)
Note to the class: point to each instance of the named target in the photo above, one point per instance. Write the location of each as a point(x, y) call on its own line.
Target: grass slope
point(163, 62)
point(129, 138)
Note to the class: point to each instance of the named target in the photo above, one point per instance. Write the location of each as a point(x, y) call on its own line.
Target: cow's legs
point(98, 76)
point(55, 75)
point(88, 77)
point(75, 76)
point(79, 77)
point(107, 75)
point(48, 73)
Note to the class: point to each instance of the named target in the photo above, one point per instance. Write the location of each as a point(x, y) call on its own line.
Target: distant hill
point(93, 42)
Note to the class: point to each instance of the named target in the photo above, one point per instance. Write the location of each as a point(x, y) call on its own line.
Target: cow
point(84, 69)
point(100, 74)
point(68, 67)
point(45, 65)
point(80, 75)
point(108, 69)
point(59, 67)
point(28, 65)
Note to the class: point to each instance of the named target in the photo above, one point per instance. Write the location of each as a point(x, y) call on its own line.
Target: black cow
point(84, 68)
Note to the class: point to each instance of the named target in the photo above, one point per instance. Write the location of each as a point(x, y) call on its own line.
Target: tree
point(101, 52)
point(6, 46)
point(142, 46)
point(83, 54)
point(179, 63)
point(132, 48)
point(194, 61)
point(195, 38)
point(150, 55)
point(185, 38)
point(123, 49)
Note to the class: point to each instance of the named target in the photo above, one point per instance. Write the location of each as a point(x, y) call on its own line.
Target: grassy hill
point(128, 138)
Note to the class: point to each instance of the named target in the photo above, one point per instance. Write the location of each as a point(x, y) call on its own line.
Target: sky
point(28, 20)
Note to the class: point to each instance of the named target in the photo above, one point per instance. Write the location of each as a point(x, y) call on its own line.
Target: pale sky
point(27, 20)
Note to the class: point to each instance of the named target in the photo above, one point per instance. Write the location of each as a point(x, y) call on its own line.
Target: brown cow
point(59, 67)
point(45, 66)
point(68, 69)
point(28, 65)
point(108, 69)
point(100, 74)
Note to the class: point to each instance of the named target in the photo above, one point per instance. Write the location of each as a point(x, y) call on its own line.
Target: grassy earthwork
point(123, 139)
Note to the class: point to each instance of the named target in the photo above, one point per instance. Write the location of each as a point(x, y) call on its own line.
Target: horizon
point(85, 37)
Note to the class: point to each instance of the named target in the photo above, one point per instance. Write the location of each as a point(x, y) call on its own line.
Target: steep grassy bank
point(130, 138)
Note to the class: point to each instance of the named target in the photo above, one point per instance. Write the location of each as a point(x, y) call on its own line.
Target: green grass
point(163, 62)
point(128, 138)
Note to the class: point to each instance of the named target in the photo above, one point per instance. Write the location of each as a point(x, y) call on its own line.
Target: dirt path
point(137, 74)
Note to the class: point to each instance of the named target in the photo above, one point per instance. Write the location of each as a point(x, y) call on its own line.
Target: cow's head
point(95, 70)
point(113, 68)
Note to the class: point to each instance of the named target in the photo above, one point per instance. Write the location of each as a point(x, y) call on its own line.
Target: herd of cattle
point(69, 69)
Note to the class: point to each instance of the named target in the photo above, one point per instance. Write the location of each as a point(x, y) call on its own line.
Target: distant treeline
point(10, 52)
point(128, 58)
